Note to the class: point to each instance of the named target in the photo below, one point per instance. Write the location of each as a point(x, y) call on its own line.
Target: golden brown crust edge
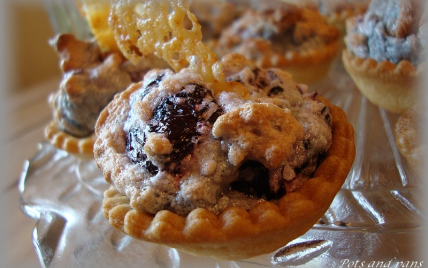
point(237, 233)
point(308, 67)
point(393, 87)
point(81, 147)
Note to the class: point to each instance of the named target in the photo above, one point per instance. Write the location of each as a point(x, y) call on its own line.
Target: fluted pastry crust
point(393, 87)
point(81, 147)
point(236, 233)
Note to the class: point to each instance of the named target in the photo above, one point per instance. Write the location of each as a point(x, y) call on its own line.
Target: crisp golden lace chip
point(97, 13)
point(142, 28)
point(146, 27)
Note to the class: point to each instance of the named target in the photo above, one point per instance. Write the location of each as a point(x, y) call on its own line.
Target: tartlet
point(278, 34)
point(384, 54)
point(235, 221)
point(216, 158)
point(90, 80)
point(336, 11)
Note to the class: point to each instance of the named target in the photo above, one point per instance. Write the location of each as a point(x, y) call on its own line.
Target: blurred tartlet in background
point(282, 35)
point(384, 52)
point(336, 11)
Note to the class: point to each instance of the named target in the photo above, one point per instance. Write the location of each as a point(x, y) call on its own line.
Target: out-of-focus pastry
point(282, 35)
point(97, 13)
point(336, 11)
point(90, 80)
point(409, 136)
point(384, 54)
point(216, 15)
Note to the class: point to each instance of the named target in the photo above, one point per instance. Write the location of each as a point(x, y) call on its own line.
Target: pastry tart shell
point(338, 18)
point(305, 67)
point(81, 147)
point(393, 87)
point(236, 233)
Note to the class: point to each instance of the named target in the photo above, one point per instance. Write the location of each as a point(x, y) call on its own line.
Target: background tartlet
point(393, 87)
point(90, 80)
point(385, 52)
point(286, 36)
point(336, 11)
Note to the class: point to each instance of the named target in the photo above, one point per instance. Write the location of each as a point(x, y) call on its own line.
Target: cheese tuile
point(144, 27)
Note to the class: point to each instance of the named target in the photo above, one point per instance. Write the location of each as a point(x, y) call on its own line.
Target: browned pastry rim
point(318, 55)
point(236, 233)
point(343, 14)
point(305, 67)
point(338, 19)
point(82, 147)
point(393, 87)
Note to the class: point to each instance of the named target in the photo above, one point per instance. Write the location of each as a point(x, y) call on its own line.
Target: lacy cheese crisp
point(145, 27)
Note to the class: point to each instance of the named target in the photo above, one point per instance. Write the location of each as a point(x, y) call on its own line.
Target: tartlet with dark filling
point(229, 175)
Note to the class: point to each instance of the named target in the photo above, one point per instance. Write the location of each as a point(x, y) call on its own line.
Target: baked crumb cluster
point(390, 30)
point(90, 80)
point(274, 30)
point(177, 146)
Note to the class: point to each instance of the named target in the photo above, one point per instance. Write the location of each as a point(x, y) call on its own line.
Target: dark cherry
point(176, 116)
point(275, 90)
point(254, 181)
point(134, 147)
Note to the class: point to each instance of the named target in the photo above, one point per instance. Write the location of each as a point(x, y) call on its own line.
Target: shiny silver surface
point(376, 218)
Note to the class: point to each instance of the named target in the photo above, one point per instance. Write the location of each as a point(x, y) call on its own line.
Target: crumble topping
point(389, 30)
point(262, 132)
point(182, 147)
point(276, 28)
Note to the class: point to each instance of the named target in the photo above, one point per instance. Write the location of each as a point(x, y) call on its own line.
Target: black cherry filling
point(189, 114)
point(179, 117)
